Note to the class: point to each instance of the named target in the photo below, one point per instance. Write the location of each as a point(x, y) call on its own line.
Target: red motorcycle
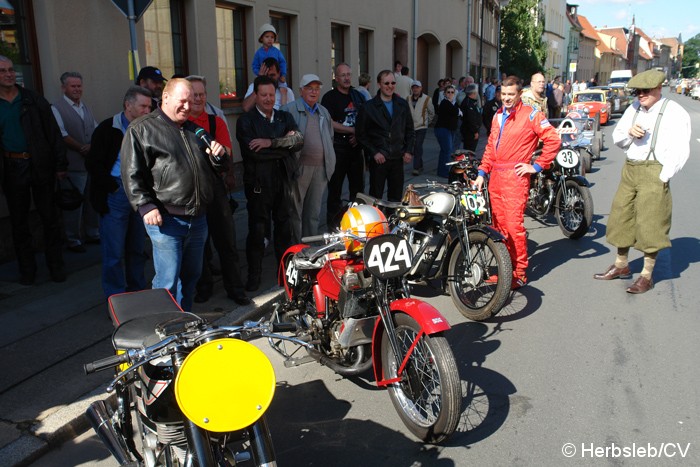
point(350, 303)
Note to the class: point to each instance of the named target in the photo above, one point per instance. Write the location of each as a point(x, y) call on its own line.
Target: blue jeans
point(123, 238)
point(444, 137)
point(418, 149)
point(178, 249)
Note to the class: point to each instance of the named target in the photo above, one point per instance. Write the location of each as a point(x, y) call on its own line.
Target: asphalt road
point(573, 371)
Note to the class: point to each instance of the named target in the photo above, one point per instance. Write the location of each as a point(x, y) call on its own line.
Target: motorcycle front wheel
point(573, 208)
point(480, 288)
point(428, 395)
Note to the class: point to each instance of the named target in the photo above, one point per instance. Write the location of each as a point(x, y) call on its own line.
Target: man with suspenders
point(655, 134)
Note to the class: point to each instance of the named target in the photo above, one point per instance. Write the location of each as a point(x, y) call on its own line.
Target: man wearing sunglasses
point(655, 134)
point(385, 131)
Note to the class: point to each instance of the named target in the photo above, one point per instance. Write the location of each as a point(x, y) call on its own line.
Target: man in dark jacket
point(471, 118)
point(34, 154)
point(122, 235)
point(166, 170)
point(385, 131)
point(490, 109)
point(268, 139)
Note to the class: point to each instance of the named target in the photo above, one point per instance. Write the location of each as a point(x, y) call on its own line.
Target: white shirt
point(278, 96)
point(79, 108)
point(672, 143)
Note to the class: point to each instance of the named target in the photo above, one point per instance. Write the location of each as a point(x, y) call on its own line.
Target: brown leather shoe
point(641, 285)
point(614, 272)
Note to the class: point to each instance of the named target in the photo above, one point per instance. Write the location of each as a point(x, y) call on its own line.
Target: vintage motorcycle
point(348, 301)
point(448, 229)
point(192, 393)
point(562, 190)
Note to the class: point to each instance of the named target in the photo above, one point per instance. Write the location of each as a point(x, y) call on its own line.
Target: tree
point(522, 50)
point(691, 56)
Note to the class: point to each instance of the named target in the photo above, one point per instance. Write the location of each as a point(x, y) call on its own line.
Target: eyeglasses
point(310, 89)
point(389, 83)
point(637, 92)
point(449, 92)
point(6, 70)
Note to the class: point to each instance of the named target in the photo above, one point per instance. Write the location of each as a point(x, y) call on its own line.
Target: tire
point(428, 397)
point(597, 122)
point(586, 162)
point(597, 145)
point(472, 295)
point(576, 216)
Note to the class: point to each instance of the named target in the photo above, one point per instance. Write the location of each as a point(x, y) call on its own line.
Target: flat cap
point(649, 79)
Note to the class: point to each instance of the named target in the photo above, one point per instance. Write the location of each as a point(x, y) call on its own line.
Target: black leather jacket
point(258, 165)
point(164, 165)
point(44, 140)
point(377, 132)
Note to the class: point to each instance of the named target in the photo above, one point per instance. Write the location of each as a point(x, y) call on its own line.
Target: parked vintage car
point(618, 95)
point(597, 105)
point(695, 92)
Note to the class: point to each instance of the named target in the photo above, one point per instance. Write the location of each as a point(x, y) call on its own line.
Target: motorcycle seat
point(302, 260)
point(130, 305)
point(141, 332)
point(372, 201)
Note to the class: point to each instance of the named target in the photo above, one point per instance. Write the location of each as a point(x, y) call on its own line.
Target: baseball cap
point(416, 83)
point(150, 72)
point(308, 79)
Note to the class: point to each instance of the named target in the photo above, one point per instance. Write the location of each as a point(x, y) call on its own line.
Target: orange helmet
point(364, 221)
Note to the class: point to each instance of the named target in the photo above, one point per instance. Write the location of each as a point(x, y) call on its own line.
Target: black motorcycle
point(561, 189)
point(188, 392)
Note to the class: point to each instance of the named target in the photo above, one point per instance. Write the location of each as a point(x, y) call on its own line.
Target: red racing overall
point(514, 137)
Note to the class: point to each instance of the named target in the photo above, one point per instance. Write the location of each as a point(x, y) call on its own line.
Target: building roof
point(646, 47)
point(672, 42)
point(619, 45)
point(588, 29)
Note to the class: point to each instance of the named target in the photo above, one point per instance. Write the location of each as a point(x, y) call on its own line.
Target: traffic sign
point(139, 7)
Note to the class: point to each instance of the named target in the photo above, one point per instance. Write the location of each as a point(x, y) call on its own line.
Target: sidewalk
point(49, 330)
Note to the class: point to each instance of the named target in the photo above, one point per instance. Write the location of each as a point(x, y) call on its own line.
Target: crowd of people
point(161, 166)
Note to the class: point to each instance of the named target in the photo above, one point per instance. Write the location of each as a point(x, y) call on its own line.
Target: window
point(282, 24)
point(165, 36)
point(17, 41)
point(364, 48)
point(230, 40)
point(337, 44)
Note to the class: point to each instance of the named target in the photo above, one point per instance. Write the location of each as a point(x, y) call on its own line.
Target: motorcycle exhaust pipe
point(100, 421)
point(330, 363)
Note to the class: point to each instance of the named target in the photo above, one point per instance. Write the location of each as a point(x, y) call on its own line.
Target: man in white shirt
point(655, 133)
point(76, 123)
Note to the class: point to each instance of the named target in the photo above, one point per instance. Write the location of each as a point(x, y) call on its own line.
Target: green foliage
point(691, 56)
point(522, 50)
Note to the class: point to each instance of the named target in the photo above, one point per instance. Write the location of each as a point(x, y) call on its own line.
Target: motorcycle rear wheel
point(468, 284)
point(428, 397)
point(575, 213)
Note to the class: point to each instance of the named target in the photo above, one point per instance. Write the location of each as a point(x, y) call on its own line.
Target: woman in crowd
point(447, 116)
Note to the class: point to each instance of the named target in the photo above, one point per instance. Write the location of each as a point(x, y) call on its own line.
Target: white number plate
point(567, 158)
point(475, 202)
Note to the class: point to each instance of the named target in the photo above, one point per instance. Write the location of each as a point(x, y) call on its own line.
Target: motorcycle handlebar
point(105, 363)
point(313, 238)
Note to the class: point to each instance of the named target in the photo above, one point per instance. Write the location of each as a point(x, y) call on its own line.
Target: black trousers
point(389, 173)
point(269, 200)
point(348, 162)
point(222, 232)
point(19, 190)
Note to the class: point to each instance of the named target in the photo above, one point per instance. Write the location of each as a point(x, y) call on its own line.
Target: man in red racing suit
point(515, 132)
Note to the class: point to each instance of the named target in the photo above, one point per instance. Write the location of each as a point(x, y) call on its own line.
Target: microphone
point(205, 137)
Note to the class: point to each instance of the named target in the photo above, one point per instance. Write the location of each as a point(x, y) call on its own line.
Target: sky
point(657, 18)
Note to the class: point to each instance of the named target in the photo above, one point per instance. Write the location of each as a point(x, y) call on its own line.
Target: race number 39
point(387, 256)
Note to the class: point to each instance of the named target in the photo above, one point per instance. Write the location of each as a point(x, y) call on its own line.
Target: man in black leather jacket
point(385, 129)
point(166, 173)
point(33, 156)
point(268, 139)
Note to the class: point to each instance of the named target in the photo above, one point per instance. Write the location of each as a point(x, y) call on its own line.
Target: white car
point(695, 93)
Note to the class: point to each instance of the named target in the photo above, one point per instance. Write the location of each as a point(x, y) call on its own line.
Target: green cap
point(649, 79)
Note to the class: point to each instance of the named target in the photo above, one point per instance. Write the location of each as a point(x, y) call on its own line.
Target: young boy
point(267, 37)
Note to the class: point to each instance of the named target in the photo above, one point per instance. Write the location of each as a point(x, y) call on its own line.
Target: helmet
point(266, 28)
point(364, 221)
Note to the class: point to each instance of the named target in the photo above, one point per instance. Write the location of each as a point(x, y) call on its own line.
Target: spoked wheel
point(586, 162)
point(428, 395)
point(480, 288)
point(573, 209)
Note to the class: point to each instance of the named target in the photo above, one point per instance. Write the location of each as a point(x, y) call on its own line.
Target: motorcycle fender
point(490, 232)
point(281, 273)
point(580, 180)
point(427, 316)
